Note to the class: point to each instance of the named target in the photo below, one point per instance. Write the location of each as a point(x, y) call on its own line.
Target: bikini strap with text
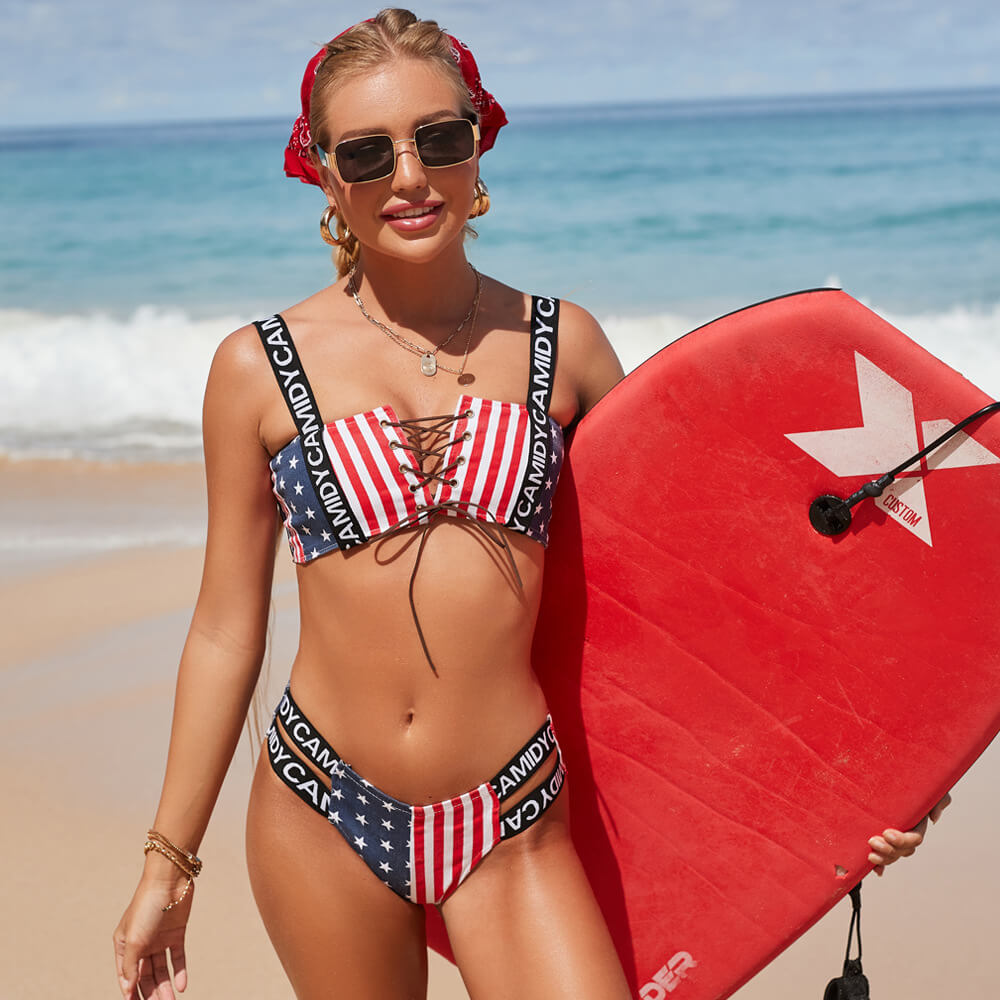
point(291, 378)
point(542, 370)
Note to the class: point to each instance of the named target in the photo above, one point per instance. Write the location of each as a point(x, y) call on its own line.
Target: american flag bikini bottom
point(423, 853)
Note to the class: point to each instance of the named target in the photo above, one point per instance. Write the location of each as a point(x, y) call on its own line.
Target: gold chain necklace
point(429, 364)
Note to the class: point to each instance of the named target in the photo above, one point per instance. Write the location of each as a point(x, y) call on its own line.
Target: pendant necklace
point(429, 364)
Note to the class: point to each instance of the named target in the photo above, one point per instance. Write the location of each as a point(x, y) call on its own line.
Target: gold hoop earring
point(481, 201)
point(330, 213)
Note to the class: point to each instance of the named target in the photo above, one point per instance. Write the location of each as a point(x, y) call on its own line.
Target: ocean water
point(129, 252)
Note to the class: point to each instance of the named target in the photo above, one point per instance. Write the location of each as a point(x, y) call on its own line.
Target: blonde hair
point(392, 33)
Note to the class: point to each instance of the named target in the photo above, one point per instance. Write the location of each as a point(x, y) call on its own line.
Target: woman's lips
point(413, 217)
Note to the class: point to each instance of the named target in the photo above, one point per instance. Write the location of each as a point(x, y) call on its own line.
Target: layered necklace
point(429, 364)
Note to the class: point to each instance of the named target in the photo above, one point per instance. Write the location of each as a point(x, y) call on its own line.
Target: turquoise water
point(128, 252)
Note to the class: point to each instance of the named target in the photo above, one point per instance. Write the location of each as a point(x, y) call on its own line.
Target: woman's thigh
point(337, 929)
point(526, 925)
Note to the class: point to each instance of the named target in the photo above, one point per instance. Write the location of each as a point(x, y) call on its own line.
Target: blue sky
point(123, 60)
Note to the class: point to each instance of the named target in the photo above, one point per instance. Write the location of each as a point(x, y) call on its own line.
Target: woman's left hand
point(894, 844)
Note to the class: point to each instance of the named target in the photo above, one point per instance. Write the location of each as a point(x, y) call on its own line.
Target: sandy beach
point(90, 644)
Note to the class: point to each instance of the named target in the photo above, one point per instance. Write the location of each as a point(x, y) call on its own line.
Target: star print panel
point(301, 512)
point(420, 852)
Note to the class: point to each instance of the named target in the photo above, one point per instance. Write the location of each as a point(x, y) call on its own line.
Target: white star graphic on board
point(325, 535)
point(887, 436)
point(387, 824)
point(298, 489)
point(359, 842)
point(337, 793)
point(385, 867)
point(310, 513)
point(293, 461)
point(387, 805)
point(362, 799)
point(361, 819)
point(386, 846)
point(335, 817)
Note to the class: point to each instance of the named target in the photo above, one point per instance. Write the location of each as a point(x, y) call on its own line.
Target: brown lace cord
point(438, 425)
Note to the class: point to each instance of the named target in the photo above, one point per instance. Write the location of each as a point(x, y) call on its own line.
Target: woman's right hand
point(146, 933)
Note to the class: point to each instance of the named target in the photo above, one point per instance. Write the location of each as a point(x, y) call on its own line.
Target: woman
point(415, 638)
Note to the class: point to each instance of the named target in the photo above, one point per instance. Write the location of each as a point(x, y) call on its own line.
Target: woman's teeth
point(411, 213)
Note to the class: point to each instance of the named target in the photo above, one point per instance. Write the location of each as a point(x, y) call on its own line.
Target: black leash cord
point(831, 515)
point(852, 983)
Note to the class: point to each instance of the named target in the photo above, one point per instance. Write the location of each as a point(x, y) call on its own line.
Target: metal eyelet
point(461, 460)
point(467, 436)
point(393, 444)
point(467, 414)
point(405, 468)
point(453, 482)
point(421, 506)
point(383, 423)
point(413, 489)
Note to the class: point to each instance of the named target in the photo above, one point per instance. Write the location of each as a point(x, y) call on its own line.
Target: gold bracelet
point(180, 898)
point(180, 863)
point(189, 863)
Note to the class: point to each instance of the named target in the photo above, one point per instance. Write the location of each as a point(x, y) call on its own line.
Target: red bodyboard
point(742, 701)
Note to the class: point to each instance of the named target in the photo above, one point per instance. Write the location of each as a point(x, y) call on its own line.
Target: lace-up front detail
point(431, 431)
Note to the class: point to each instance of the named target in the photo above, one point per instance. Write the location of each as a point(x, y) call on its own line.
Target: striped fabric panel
point(368, 470)
point(397, 500)
point(495, 456)
point(448, 839)
point(516, 450)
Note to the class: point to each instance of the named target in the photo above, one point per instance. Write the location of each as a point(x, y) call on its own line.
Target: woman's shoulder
point(579, 329)
point(586, 356)
point(575, 322)
point(242, 353)
point(239, 361)
point(588, 366)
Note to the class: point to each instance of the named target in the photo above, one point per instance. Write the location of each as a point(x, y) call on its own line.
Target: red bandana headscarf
point(491, 115)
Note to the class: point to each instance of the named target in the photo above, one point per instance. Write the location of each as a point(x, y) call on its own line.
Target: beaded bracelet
point(187, 862)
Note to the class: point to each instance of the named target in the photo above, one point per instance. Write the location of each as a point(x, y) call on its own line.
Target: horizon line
point(819, 97)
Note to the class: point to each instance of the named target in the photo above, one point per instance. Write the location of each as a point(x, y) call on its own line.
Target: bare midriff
point(363, 679)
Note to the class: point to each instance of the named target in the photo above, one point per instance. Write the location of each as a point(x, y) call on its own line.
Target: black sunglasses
point(372, 157)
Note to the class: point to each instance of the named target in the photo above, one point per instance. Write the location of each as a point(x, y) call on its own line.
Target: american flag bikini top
point(349, 481)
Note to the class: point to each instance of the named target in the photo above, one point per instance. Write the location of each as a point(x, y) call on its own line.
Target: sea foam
point(130, 389)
